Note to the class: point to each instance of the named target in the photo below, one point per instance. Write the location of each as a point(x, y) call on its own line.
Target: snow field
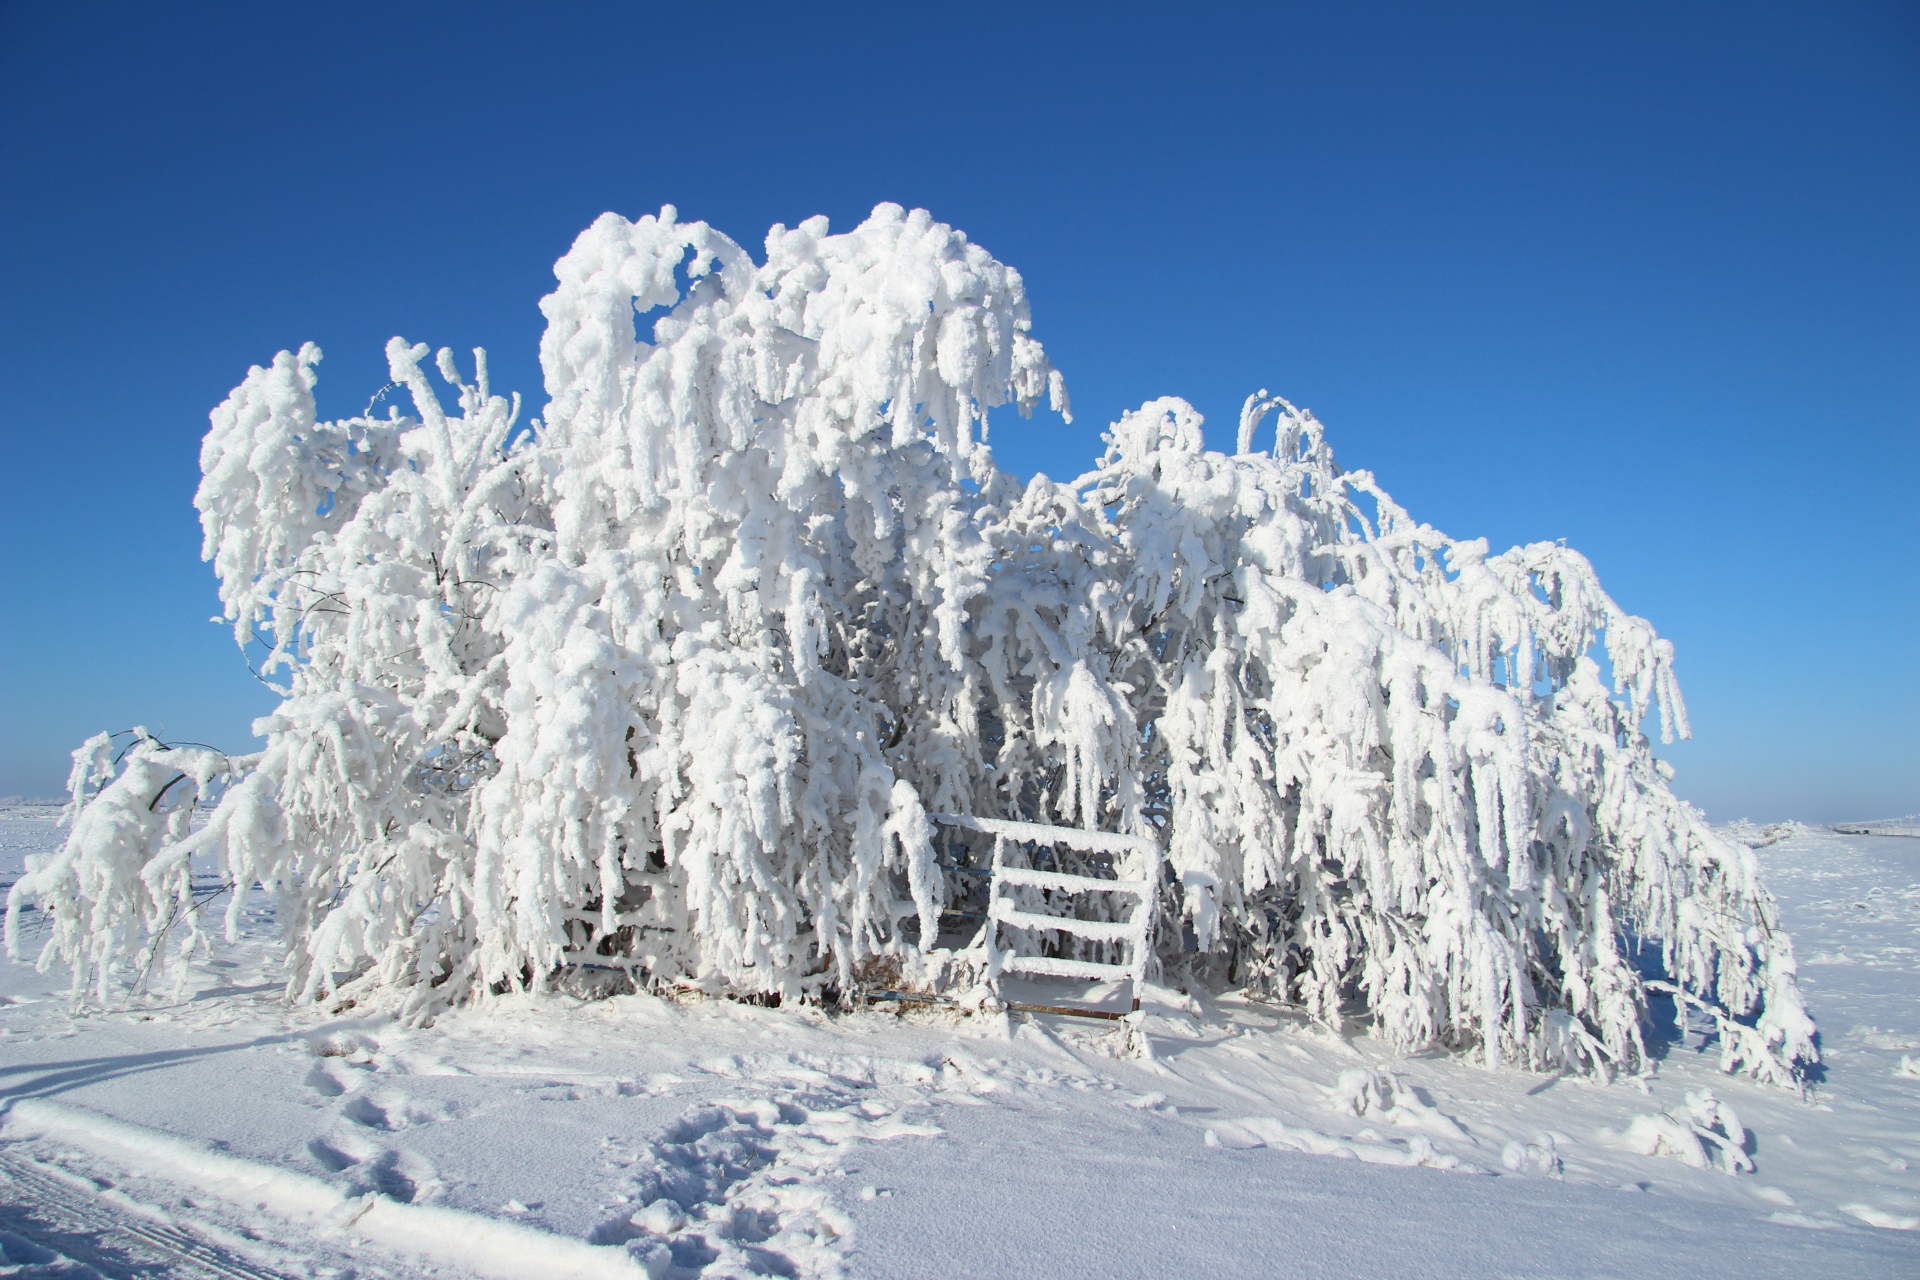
point(537, 1136)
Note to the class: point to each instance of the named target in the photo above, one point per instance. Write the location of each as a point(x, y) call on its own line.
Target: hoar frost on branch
point(671, 678)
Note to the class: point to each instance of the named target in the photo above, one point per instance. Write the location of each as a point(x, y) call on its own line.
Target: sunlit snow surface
point(678, 1139)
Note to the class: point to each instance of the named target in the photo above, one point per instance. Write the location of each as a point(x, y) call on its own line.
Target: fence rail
point(1906, 826)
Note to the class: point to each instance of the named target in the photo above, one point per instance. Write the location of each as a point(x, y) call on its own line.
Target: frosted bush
point(1703, 1132)
point(670, 678)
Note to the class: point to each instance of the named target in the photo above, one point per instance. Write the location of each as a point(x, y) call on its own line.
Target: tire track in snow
point(66, 1219)
point(470, 1244)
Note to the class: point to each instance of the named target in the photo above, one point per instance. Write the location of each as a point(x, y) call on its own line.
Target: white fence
point(1137, 879)
point(1907, 826)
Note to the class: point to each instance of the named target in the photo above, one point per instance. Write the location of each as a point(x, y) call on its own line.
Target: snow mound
point(1704, 1133)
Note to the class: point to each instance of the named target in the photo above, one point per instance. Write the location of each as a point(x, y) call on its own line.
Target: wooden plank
point(1056, 967)
point(1040, 833)
point(1064, 883)
point(1095, 930)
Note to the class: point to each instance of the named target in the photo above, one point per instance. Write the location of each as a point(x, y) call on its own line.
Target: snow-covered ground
point(224, 1133)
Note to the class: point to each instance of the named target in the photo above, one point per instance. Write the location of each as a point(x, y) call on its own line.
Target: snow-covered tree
point(1386, 764)
point(670, 678)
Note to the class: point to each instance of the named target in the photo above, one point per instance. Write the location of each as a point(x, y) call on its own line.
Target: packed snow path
point(638, 1136)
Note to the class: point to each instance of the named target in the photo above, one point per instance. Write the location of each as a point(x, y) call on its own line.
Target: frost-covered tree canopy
point(670, 678)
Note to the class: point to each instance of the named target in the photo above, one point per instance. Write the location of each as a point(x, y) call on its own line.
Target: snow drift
point(670, 678)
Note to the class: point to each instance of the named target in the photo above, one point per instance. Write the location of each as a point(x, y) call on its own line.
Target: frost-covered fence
point(669, 678)
point(1907, 826)
point(1017, 898)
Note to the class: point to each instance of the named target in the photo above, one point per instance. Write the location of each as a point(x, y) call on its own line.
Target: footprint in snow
point(394, 1173)
point(328, 1080)
point(739, 1186)
point(354, 1046)
point(401, 1175)
point(391, 1112)
point(342, 1151)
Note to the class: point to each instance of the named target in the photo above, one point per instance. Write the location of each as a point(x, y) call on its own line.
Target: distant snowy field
point(224, 1134)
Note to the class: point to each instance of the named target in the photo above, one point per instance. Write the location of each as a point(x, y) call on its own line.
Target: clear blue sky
point(1643, 277)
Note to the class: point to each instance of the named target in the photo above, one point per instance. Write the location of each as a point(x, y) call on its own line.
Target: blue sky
point(1646, 278)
